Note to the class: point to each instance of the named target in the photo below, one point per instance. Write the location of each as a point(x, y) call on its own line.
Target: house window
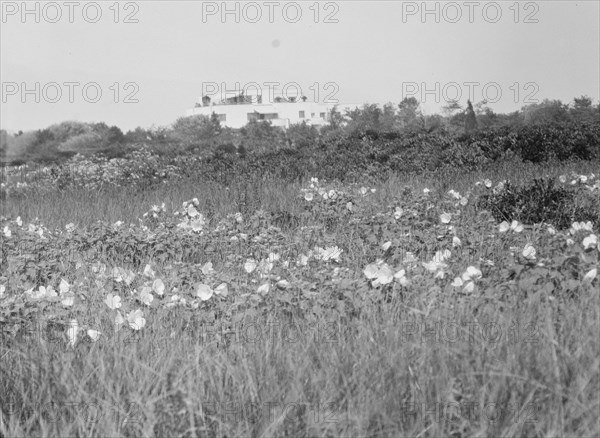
point(322, 115)
point(312, 114)
point(252, 117)
point(301, 114)
point(222, 117)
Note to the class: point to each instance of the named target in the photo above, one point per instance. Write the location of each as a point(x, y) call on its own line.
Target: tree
point(451, 108)
point(301, 135)
point(196, 129)
point(389, 119)
point(548, 111)
point(361, 120)
point(582, 110)
point(470, 119)
point(410, 116)
point(335, 119)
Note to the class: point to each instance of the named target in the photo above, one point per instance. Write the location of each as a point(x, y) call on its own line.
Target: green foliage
point(470, 119)
point(542, 201)
point(195, 130)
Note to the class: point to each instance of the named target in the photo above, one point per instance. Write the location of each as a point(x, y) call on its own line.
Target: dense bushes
point(542, 201)
point(366, 156)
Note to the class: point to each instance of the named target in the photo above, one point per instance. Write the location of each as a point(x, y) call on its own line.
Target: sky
point(145, 63)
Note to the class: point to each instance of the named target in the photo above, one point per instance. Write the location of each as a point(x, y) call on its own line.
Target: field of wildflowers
point(262, 308)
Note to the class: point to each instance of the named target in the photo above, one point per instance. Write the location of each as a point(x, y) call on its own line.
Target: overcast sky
point(150, 66)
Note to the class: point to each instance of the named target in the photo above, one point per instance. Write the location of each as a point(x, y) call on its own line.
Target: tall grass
point(426, 364)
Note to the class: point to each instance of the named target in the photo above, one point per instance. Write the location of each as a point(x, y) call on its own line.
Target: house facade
point(238, 111)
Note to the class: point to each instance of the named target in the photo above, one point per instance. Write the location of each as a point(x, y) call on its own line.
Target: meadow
point(163, 302)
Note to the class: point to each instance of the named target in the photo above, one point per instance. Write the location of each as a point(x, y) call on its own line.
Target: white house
point(238, 111)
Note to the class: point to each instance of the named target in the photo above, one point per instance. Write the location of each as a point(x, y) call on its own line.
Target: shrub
point(540, 201)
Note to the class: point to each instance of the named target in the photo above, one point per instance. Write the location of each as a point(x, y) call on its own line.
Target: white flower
point(263, 288)
point(426, 191)
point(516, 226)
point(113, 301)
point(379, 272)
point(7, 232)
point(457, 282)
point(136, 319)
point(19, 221)
point(488, 183)
point(158, 287)
point(283, 284)
point(204, 292)
point(67, 297)
point(363, 191)
point(309, 196)
point(349, 206)
point(192, 212)
point(445, 218)
point(454, 194)
point(398, 213)
point(146, 296)
point(441, 256)
point(580, 226)
point(94, 335)
point(589, 277)
point(222, 289)
point(590, 241)
point(469, 287)
point(302, 260)
point(329, 253)
point(503, 227)
point(148, 271)
point(386, 245)
point(472, 273)
point(562, 179)
point(332, 194)
point(529, 252)
point(207, 268)
point(456, 242)
point(409, 257)
point(250, 265)
point(401, 277)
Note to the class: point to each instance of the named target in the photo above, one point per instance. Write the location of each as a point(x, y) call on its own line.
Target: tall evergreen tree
point(470, 119)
